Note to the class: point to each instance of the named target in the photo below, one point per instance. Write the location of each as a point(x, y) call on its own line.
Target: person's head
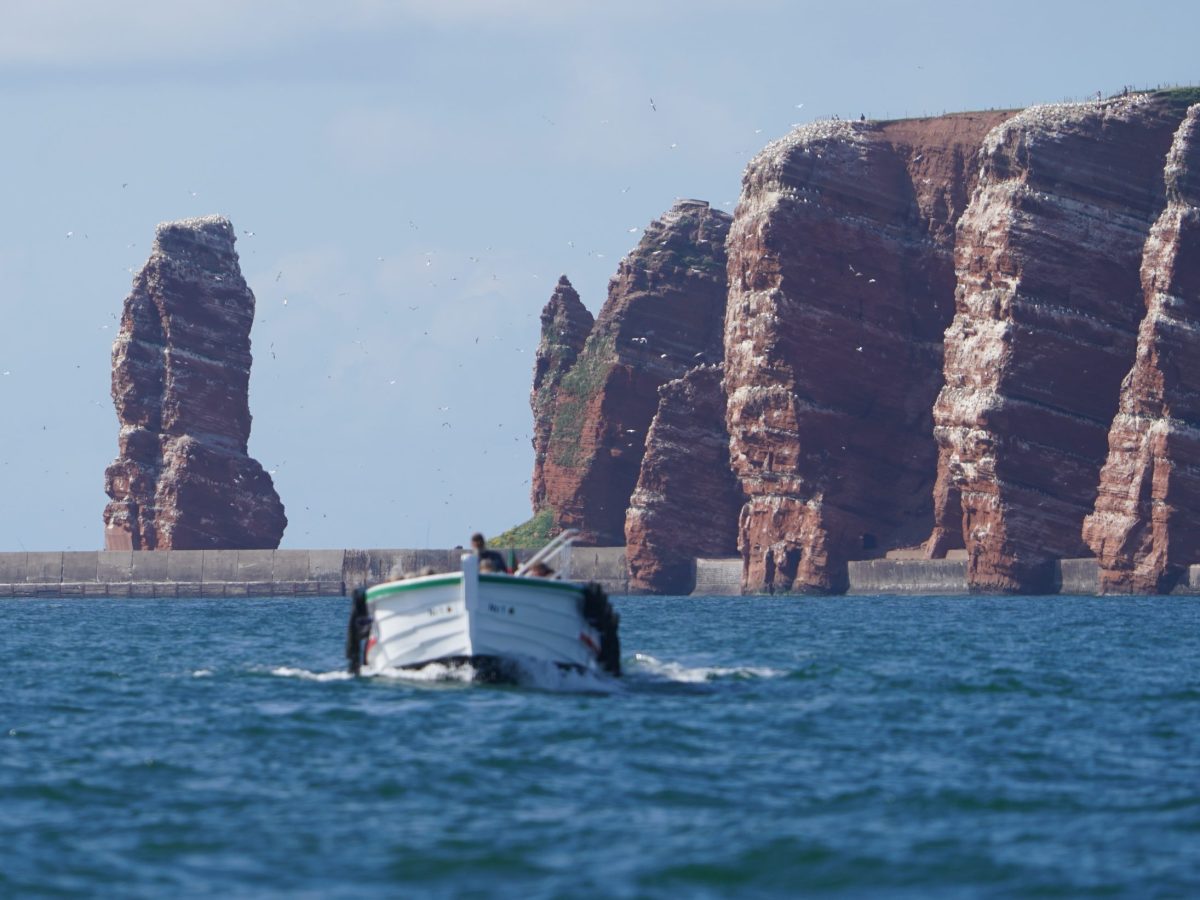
point(540, 570)
point(487, 565)
point(478, 542)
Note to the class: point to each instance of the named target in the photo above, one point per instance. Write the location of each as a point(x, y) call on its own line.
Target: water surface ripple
point(759, 747)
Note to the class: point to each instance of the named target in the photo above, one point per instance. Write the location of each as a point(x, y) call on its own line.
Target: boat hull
point(466, 616)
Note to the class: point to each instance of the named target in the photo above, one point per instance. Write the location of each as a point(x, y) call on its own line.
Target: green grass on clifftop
point(529, 535)
point(1180, 96)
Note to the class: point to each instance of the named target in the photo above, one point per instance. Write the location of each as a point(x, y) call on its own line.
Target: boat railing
point(556, 554)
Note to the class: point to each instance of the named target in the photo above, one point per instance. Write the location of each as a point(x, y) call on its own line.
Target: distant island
point(970, 335)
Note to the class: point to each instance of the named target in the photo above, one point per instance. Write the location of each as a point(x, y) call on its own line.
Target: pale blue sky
point(453, 157)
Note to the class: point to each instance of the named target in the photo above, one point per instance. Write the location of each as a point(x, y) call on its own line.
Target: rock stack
point(686, 502)
point(841, 283)
point(1047, 313)
point(1143, 529)
point(180, 383)
point(662, 317)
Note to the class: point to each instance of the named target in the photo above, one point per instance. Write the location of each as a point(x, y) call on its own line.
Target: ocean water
point(908, 747)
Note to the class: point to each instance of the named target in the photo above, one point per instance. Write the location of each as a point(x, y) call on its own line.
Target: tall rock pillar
point(180, 383)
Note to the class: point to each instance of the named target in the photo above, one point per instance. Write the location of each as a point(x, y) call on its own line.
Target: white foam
point(546, 676)
point(673, 671)
point(290, 672)
point(202, 673)
point(433, 672)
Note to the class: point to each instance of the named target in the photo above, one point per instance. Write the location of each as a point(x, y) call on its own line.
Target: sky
point(412, 178)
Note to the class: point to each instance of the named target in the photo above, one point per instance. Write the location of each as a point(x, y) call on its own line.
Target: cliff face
point(687, 501)
point(1142, 529)
point(566, 324)
point(663, 316)
point(1047, 309)
point(181, 370)
point(841, 283)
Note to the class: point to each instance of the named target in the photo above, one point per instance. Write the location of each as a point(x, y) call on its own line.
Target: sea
point(756, 747)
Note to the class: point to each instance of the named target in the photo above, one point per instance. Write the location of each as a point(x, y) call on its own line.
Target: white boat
point(491, 621)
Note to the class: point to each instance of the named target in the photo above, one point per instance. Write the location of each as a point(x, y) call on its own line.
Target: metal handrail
point(556, 546)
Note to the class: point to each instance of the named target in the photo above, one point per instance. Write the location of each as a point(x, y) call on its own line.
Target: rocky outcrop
point(663, 316)
point(1047, 310)
point(1143, 528)
point(687, 501)
point(841, 284)
point(566, 324)
point(181, 370)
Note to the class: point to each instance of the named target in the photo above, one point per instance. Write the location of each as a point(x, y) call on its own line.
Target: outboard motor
point(600, 615)
point(358, 630)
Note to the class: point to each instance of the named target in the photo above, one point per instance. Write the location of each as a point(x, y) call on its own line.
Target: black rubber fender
point(599, 613)
point(358, 630)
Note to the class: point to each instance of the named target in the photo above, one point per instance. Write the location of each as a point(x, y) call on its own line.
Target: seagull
point(652, 106)
point(278, 276)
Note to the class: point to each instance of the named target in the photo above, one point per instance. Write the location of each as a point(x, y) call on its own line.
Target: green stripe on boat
point(395, 587)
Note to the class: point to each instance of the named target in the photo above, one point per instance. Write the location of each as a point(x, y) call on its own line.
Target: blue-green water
point(759, 747)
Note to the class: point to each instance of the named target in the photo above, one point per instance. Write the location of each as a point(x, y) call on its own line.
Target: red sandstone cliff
point(663, 316)
point(566, 324)
point(181, 370)
point(1047, 309)
point(841, 283)
point(687, 501)
point(1143, 529)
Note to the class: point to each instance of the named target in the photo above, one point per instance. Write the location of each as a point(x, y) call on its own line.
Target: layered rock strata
point(1047, 310)
point(663, 316)
point(180, 383)
point(687, 501)
point(566, 324)
point(841, 284)
point(1143, 530)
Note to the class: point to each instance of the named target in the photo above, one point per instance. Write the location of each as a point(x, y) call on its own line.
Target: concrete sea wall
point(324, 573)
point(247, 573)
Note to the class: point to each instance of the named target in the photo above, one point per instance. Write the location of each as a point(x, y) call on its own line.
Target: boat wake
point(306, 675)
point(650, 668)
point(541, 675)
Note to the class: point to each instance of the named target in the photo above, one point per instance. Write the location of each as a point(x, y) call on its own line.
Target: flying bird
point(652, 106)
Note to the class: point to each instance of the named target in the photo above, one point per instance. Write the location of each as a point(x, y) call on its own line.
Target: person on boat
point(486, 556)
point(541, 570)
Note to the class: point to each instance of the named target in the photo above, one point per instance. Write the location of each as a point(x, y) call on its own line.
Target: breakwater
point(249, 573)
point(322, 573)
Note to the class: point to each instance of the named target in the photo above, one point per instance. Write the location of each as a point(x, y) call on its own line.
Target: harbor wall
point(324, 573)
point(249, 573)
